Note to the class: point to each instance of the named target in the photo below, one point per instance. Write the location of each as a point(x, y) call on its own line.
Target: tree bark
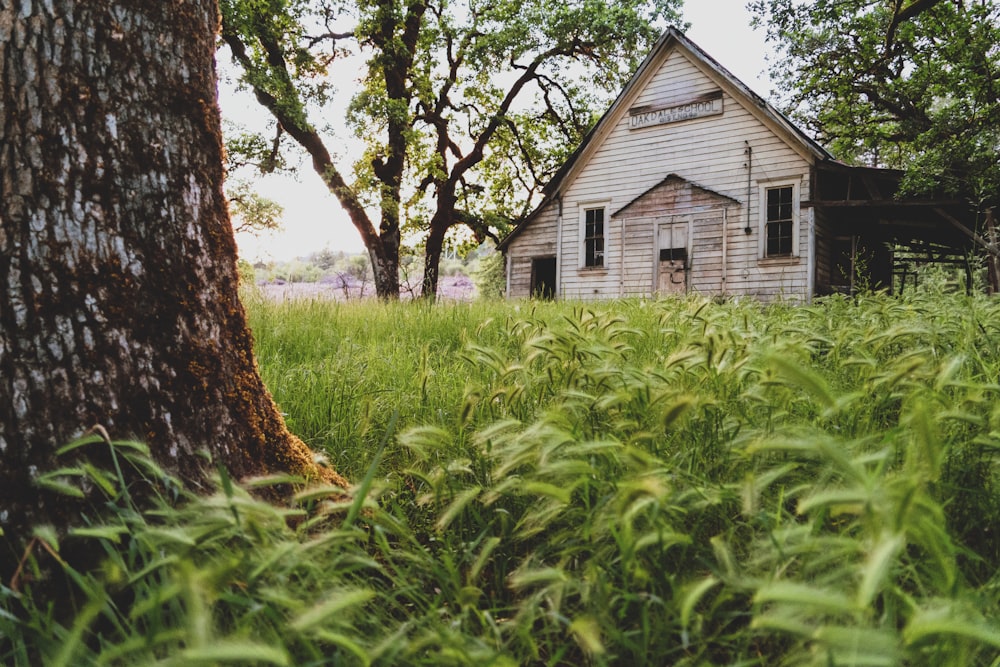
point(440, 224)
point(119, 302)
point(385, 268)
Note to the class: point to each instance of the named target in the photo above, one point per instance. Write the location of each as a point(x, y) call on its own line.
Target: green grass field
point(679, 482)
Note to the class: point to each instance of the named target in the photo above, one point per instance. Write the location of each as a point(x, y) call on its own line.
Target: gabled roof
point(674, 179)
point(671, 38)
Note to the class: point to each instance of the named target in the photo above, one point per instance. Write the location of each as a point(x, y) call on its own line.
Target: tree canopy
point(464, 108)
point(250, 212)
point(912, 84)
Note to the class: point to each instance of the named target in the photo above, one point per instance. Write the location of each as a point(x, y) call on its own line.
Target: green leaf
point(926, 447)
point(321, 492)
point(101, 479)
point(693, 595)
point(455, 507)
point(933, 625)
point(79, 442)
point(877, 568)
point(804, 379)
point(587, 633)
point(804, 595)
point(338, 602)
point(47, 534)
point(782, 622)
point(537, 576)
point(239, 652)
point(110, 533)
point(860, 646)
point(169, 536)
point(272, 480)
point(482, 558)
point(839, 501)
point(361, 493)
point(560, 494)
point(346, 643)
point(58, 486)
point(676, 408)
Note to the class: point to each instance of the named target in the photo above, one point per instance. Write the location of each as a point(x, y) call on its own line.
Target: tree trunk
point(384, 254)
point(119, 302)
point(432, 258)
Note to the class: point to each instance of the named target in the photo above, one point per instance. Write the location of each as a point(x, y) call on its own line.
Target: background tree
point(463, 108)
point(250, 212)
point(119, 303)
point(913, 84)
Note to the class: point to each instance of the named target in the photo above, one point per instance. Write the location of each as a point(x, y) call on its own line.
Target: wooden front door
point(672, 256)
point(673, 271)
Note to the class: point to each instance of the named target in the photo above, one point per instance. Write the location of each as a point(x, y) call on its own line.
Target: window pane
point(594, 237)
point(772, 246)
point(780, 218)
point(779, 203)
point(785, 234)
point(779, 238)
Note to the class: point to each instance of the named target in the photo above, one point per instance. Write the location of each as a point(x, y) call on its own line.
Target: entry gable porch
point(675, 239)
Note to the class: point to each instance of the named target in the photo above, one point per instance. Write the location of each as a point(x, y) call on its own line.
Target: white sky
point(313, 219)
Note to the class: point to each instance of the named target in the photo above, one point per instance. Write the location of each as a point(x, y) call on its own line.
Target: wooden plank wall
point(640, 267)
point(710, 152)
point(537, 240)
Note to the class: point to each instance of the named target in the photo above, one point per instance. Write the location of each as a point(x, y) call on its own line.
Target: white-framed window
point(779, 214)
point(593, 237)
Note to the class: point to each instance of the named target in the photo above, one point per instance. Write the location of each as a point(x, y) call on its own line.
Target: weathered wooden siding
point(539, 239)
point(640, 264)
point(709, 151)
point(706, 256)
point(620, 164)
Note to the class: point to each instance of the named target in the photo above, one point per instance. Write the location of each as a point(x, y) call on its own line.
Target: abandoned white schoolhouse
point(691, 182)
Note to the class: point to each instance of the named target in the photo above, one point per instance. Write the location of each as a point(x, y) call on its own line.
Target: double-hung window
point(593, 237)
point(780, 219)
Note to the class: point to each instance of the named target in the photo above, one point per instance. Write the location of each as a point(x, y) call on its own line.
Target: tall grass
point(674, 482)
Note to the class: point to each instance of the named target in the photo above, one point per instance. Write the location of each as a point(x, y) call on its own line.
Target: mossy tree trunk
point(118, 281)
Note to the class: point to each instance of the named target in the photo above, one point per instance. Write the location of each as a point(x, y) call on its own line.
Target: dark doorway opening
point(679, 255)
point(543, 277)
